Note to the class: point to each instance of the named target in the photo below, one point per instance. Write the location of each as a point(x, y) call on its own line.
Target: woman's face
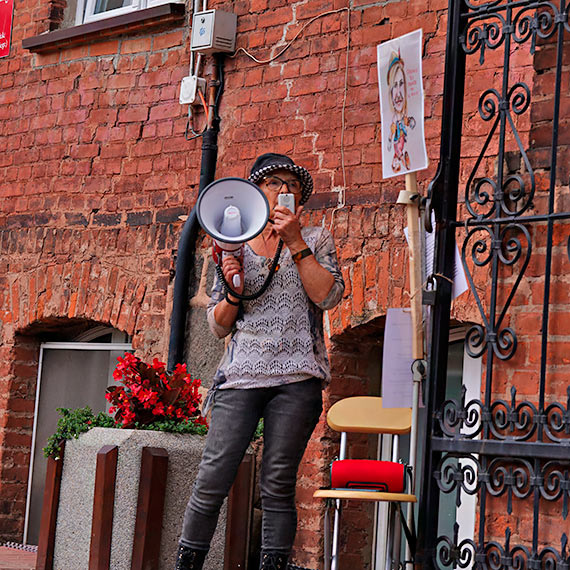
point(290, 184)
point(398, 91)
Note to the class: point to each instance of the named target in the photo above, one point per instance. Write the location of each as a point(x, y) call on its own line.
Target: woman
point(274, 367)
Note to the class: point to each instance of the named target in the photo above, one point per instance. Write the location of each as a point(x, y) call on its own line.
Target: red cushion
point(369, 474)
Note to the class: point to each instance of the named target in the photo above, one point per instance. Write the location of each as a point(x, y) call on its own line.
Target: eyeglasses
point(275, 184)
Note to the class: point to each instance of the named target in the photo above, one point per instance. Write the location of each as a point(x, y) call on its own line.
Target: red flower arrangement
point(149, 394)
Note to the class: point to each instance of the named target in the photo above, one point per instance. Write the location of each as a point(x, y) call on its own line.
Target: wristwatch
point(296, 257)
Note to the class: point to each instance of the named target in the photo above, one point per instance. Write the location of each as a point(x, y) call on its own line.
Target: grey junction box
point(213, 31)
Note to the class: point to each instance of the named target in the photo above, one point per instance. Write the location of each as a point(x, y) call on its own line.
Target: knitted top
point(278, 337)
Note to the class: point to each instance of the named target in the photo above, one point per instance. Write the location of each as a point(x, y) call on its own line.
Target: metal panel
point(517, 445)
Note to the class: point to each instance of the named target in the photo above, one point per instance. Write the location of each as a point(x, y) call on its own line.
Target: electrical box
point(189, 89)
point(213, 31)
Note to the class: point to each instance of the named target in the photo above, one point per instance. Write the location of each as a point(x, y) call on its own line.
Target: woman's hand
point(232, 265)
point(286, 225)
point(225, 313)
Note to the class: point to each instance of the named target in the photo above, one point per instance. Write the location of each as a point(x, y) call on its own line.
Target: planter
point(73, 531)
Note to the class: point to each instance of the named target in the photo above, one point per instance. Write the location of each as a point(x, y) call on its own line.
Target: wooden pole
point(103, 504)
point(413, 212)
point(411, 198)
point(50, 506)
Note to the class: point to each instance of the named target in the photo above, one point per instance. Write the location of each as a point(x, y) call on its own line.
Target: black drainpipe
point(187, 243)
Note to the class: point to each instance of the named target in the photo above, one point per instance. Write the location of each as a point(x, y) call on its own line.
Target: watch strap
point(301, 254)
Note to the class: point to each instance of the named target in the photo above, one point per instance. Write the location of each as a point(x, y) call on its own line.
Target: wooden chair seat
point(354, 495)
point(365, 414)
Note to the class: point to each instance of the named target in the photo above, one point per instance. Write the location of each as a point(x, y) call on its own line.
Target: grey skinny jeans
point(290, 414)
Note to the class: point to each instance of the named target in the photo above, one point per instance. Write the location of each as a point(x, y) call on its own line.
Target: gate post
point(443, 196)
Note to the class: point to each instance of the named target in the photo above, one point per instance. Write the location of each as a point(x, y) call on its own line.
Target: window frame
point(85, 9)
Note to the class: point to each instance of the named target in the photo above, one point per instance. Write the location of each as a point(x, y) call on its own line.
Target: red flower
point(149, 393)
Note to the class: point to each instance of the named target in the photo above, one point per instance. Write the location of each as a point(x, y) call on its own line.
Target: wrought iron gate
point(511, 447)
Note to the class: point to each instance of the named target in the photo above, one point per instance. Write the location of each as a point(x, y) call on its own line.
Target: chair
point(365, 414)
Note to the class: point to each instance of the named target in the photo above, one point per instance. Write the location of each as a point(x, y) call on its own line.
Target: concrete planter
point(75, 512)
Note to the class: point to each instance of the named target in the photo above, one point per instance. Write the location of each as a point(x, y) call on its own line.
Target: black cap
point(270, 162)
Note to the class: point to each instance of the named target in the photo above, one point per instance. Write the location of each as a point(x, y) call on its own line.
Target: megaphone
point(231, 211)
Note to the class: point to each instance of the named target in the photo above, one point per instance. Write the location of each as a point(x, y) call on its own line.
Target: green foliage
point(73, 423)
point(258, 430)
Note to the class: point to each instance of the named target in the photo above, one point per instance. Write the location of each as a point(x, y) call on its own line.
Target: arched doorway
point(71, 374)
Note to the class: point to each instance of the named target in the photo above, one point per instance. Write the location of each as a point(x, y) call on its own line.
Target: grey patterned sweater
point(277, 338)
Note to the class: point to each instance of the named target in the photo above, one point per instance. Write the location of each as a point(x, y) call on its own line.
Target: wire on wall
point(342, 192)
point(299, 32)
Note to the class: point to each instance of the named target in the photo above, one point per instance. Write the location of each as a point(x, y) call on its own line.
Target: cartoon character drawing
point(398, 96)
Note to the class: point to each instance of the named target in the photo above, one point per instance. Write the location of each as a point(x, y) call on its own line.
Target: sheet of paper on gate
point(459, 279)
point(397, 360)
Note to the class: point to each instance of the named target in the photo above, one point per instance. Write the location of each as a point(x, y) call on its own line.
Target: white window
point(93, 10)
point(99, 9)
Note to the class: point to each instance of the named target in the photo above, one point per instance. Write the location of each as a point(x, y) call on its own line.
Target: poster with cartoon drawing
point(402, 105)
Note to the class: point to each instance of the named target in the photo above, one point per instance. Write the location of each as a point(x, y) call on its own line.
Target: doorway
point(71, 375)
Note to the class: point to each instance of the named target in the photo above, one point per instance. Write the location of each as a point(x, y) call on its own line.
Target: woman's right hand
point(232, 265)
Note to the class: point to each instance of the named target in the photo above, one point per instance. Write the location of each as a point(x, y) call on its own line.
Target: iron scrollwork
point(558, 419)
point(513, 194)
point(482, 36)
point(513, 421)
point(458, 418)
point(520, 557)
point(449, 553)
point(496, 556)
point(535, 23)
point(514, 477)
point(508, 249)
point(456, 473)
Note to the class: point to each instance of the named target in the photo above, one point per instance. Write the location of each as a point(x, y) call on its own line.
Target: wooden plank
point(103, 503)
point(150, 509)
point(49, 512)
point(377, 496)
point(238, 525)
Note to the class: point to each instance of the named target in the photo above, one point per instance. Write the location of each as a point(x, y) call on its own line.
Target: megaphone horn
point(232, 211)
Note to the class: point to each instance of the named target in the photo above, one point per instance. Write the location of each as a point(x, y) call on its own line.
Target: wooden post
point(413, 213)
point(103, 503)
point(49, 512)
point(411, 198)
point(238, 526)
point(150, 509)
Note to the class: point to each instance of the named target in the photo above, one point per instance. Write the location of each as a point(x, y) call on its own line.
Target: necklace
point(269, 260)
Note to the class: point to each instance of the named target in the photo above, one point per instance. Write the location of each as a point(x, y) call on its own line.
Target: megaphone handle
point(236, 280)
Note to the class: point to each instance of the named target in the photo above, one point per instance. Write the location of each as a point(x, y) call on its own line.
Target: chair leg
point(327, 544)
point(390, 538)
point(336, 535)
point(397, 538)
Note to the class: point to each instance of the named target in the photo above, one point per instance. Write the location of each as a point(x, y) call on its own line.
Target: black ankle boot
point(190, 559)
point(273, 561)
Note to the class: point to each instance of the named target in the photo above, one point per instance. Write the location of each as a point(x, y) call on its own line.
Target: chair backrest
point(365, 414)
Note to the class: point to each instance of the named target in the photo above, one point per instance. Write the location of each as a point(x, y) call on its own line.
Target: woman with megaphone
point(274, 366)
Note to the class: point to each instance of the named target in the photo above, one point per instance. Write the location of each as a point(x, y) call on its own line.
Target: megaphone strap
point(262, 289)
point(228, 300)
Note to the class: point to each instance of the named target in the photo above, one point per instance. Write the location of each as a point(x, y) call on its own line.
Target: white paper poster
point(402, 105)
point(460, 284)
point(397, 359)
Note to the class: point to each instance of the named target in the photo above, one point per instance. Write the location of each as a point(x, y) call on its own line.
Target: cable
point(342, 193)
point(263, 287)
point(201, 95)
point(262, 61)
